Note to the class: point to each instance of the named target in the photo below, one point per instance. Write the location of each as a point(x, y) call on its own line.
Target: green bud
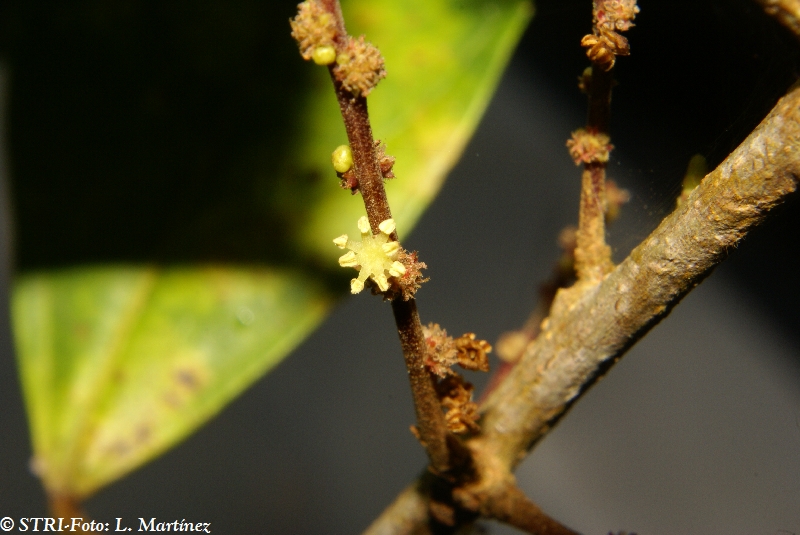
point(324, 55)
point(342, 159)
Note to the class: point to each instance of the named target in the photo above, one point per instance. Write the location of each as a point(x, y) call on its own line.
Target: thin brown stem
point(592, 255)
point(599, 92)
point(365, 164)
point(431, 424)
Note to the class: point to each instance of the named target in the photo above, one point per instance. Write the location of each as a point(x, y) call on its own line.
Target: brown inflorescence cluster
point(443, 351)
point(356, 63)
point(472, 353)
point(589, 147)
point(455, 394)
point(440, 350)
point(359, 66)
point(313, 27)
point(605, 43)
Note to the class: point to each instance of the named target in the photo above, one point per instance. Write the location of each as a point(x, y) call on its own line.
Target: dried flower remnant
point(359, 66)
point(605, 44)
point(315, 31)
point(473, 354)
point(603, 49)
point(443, 351)
point(349, 180)
point(615, 15)
point(587, 147)
point(375, 256)
point(456, 396)
point(443, 513)
point(440, 349)
point(385, 161)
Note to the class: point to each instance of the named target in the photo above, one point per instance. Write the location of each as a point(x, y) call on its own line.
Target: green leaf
point(119, 361)
point(444, 60)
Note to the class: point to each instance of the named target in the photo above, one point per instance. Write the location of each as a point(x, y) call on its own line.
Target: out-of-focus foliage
point(120, 363)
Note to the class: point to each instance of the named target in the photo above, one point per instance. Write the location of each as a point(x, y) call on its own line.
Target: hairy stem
point(430, 421)
point(599, 93)
point(431, 424)
point(365, 164)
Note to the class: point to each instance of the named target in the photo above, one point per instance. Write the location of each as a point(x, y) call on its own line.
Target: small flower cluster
point(605, 44)
point(374, 256)
point(357, 64)
point(314, 29)
point(589, 147)
point(395, 271)
point(360, 66)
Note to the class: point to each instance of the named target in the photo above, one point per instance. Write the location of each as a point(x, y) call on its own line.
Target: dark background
point(696, 430)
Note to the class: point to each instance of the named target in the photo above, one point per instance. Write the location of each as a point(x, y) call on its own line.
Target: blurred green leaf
point(444, 60)
point(119, 363)
point(191, 133)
